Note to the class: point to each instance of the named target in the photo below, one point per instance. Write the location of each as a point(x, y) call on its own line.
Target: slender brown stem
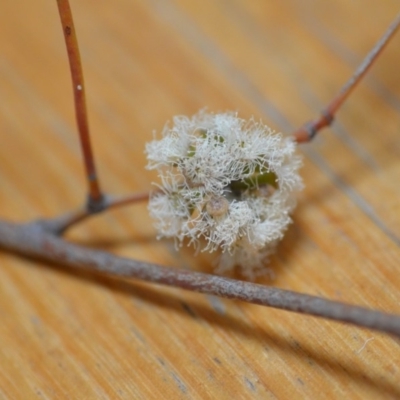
point(126, 200)
point(61, 224)
point(307, 132)
point(34, 240)
point(95, 198)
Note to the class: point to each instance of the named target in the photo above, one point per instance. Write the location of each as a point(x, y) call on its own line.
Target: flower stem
point(307, 132)
point(95, 200)
point(61, 224)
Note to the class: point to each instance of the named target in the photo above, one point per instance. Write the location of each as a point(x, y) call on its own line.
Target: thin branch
point(127, 200)
point(95, 197)
point(61, 224)
point(307, 132)
point(34, 240)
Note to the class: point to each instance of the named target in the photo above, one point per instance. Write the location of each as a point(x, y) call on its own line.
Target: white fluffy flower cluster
point(225, 180)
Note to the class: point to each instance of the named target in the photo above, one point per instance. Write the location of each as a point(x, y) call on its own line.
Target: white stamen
point(210, 165)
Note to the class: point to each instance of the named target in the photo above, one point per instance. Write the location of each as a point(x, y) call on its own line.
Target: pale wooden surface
point(74, 336)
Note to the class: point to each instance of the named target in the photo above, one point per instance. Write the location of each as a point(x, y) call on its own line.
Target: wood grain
point(66, 335)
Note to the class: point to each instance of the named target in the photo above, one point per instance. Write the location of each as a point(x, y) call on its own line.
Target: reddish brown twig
point(35, 240)
point(95, 197)
point(97, 201)
point(308, 131)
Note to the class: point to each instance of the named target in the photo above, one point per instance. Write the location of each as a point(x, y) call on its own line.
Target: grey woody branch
point(38, 240)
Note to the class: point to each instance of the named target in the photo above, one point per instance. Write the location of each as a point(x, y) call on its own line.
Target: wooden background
point(66, 335)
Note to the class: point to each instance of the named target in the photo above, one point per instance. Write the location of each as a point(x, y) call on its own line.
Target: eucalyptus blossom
point(226, 184)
